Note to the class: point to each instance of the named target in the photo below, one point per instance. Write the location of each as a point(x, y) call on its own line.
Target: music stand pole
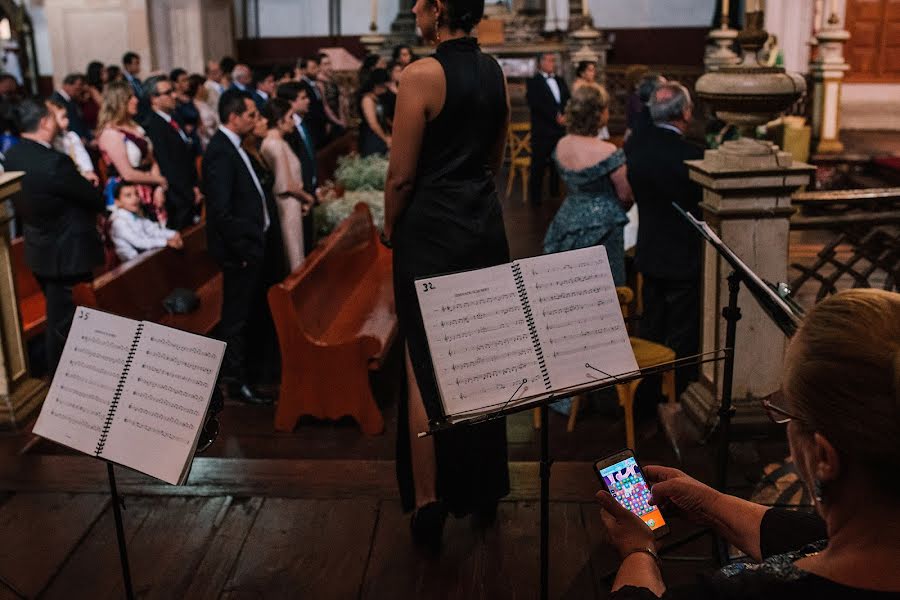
point(120, 532)
point(545, 502)
point(732, 314)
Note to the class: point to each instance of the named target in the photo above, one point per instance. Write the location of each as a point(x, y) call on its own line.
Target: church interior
point(792, 114)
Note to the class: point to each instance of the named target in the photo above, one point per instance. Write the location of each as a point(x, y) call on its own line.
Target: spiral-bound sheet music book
point(542, 326)
point(132, 392)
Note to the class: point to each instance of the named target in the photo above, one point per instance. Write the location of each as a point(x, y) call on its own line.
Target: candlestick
point(374, 25)
point(725, 5)
point(585, 8)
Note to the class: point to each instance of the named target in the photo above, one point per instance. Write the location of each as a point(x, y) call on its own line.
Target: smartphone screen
point(624, 480)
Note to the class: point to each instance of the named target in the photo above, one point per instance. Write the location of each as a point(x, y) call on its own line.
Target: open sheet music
point(134, 393)
point(536, 327)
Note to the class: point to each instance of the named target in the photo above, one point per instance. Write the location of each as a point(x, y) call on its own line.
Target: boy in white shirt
point(132, 232)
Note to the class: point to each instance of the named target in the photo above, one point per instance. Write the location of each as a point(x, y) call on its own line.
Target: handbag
point(181, 301)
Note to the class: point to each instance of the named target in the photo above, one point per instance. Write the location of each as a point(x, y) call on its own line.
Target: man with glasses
point(174, 153)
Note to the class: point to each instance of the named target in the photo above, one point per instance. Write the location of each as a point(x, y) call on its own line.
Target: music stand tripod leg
point(545, 502)
point(120, 532)
point(732, 314)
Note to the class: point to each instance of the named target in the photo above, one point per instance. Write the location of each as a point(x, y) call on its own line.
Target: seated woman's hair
point(584, 110)
point(462, 15)
point(275, 110)
point(842, 379)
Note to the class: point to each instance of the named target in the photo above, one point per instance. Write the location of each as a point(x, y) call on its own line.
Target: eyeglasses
point(167, 92)
point(775, 412)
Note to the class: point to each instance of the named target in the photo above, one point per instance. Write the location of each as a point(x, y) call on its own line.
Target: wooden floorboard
point(39, 531)
point(501, 562)
point(305, 549)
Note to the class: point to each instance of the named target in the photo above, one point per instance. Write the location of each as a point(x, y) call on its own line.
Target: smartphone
point(622, 477)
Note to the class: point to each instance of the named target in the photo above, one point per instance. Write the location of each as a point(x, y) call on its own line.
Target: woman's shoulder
point(577, 153)
point(422, 71)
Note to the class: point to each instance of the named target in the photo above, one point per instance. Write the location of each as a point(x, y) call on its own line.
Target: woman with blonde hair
point(127, 151)
point(840, 401)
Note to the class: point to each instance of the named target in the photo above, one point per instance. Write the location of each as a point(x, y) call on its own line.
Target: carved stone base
point(18, 406)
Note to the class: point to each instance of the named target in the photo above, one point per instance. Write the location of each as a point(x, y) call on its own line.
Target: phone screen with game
point(622, 477)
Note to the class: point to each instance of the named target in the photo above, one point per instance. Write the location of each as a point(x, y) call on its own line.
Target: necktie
point(178, 129)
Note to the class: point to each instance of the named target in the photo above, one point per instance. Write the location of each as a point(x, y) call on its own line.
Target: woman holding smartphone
point(841, 402)
point(442, 214)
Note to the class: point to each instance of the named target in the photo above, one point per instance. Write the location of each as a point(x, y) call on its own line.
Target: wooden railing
point(864, 245)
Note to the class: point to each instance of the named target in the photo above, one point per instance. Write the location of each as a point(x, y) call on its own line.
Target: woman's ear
point(826, 460)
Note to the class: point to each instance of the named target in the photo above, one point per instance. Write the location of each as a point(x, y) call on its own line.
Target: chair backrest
point(626, 296)
point(320, 287)
point(518, 142)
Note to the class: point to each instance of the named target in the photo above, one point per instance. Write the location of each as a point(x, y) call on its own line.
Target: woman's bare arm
point(623, 188)
point(421, 97)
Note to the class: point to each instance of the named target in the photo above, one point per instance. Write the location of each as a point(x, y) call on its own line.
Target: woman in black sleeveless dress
point(443, 215)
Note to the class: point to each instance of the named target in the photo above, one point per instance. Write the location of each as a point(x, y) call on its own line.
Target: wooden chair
point(647, 354)
point(518, 144)
point(336, 322)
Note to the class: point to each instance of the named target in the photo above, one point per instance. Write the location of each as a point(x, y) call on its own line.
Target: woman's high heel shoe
point(427, 526)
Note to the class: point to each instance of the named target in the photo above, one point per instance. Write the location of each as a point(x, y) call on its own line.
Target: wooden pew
point(136, 288)
point(32, 305)
point(336, 321)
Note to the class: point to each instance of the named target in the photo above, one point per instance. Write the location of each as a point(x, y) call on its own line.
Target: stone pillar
point(20, 394)
point(827, 71)
point(403, 29)
point(747, 187)
point(719, 51)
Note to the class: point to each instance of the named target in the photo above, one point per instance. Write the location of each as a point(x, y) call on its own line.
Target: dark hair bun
point(464, 14)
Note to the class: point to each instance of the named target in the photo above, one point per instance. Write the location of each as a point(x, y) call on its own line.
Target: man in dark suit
point(59, 211)
point(668, 248)
point(241, 225)
point(547, 96)
point(173, 151)
point(242, 80)
point(641, 121)
point(302, 144)
point(316, 120)
point(68, 96)
point(131, 68)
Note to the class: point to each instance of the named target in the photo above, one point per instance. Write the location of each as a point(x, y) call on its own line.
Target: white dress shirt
point(236, 140)
point(554, 87)
point(71, 145)
point(132, 234)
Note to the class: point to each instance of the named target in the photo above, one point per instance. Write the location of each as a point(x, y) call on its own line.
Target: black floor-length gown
point(453, 223)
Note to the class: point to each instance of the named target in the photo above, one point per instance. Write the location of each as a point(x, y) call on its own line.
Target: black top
point(453, 222)
point(544, 107)
point(175, 157)
point(59, 211)
point(234, 208)
point(316, 120)
point(667, 246)
point(785, 536)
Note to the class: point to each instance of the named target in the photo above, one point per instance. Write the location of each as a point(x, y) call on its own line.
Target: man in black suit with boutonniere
point(241, 224)
point(59, 209)
point(547, 96)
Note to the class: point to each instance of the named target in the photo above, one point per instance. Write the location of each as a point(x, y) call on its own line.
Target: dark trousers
point(672, 317)
point(541, 150)
point(309, 233)
point(180, 210)
point(60, 312)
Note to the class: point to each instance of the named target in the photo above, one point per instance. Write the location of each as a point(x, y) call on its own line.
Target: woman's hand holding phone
point(627, 532)
point(673, 488)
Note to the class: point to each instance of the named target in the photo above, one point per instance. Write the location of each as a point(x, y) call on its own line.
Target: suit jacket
point(667, 247)
point(73, 111)
point(307, 160)
point(176, 163)
point(544, 109)
point(234, 210)
point(258, 100)
point(316, 120)
point(59, 211)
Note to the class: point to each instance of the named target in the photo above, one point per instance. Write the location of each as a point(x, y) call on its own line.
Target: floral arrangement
point(362, 180)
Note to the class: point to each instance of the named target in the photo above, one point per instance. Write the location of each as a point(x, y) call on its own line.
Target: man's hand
point(93, 178)
point(175, 242)
point(561, 119)
point(198, 196)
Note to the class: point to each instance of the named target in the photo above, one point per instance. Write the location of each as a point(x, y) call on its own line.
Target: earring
point(818, 492)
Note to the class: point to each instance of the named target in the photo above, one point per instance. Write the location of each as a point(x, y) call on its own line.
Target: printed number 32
point(427, 286)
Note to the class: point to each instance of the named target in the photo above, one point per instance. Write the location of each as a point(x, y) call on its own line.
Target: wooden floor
point(315, 513)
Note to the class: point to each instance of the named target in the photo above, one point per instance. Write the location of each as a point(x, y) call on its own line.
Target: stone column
point(719, 51)
point(20, 394)
point(747, 187)
point(403, 29)
point(827, 71)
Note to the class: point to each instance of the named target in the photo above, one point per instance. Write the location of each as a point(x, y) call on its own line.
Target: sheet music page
point(479, 340)
point(164, 401)
point(85, 381)
point(577, 315)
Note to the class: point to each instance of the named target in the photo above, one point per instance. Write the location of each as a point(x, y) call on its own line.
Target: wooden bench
point(336, 321)
point(136, 289)
point(30, 298)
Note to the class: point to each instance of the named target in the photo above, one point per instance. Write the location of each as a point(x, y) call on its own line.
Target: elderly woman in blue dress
point(596, 179)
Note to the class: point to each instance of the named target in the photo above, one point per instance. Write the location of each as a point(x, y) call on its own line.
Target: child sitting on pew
point(131, 232)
